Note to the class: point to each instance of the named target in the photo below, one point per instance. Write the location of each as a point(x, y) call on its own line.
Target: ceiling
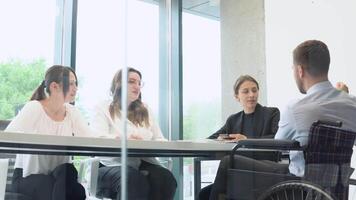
point(204, 8)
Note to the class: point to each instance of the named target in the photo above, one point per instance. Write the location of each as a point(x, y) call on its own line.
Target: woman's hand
point(237, 137)
point(135, 137)
point(131, 137)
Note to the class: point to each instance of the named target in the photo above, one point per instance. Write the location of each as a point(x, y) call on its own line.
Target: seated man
point(322, 101)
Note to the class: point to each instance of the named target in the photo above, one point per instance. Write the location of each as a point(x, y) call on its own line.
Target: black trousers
point(219, 187)
point(163, 185)
point(204, 193)
point(61, 184)
point(150, 181)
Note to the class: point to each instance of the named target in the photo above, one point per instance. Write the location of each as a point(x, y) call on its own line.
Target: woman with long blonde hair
point(147, 179)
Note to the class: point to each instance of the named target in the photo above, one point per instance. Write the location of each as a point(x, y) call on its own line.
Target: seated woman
point(44, 177)
point(254, 121)
point(147, 179)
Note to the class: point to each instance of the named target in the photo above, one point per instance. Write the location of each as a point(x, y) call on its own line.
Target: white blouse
point(104, 126)
point(33, 119)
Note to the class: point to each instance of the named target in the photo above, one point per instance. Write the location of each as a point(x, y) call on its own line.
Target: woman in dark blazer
point(254, 121)
point(265, 123)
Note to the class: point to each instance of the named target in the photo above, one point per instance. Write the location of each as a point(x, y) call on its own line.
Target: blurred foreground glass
point(201, 64)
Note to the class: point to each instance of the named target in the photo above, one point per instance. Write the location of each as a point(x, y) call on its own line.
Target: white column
point(242, 48)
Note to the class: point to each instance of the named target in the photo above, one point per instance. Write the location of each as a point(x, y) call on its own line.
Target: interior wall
point(242, 48)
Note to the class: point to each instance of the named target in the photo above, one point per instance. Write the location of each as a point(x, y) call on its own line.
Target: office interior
point(190, 52)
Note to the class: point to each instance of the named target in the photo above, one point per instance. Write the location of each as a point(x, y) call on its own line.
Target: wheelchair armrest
point(352, 181)
point(265, 144)
point(273, 144)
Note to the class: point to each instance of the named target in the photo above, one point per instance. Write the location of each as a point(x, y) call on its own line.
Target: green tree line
point(201, 120)
point(18, 80)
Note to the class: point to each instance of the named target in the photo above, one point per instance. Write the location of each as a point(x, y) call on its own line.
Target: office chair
point(8, 166)
point(327, 166)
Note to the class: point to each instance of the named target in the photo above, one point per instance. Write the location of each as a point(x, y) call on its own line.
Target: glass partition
point(119, 35)
point(178, 55)
point(201, 83)
point(100, 55)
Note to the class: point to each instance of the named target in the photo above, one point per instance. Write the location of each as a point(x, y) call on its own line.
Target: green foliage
point(18, 80)
point(201, 120)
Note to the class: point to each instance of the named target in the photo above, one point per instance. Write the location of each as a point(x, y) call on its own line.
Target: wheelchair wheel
point(295, 190)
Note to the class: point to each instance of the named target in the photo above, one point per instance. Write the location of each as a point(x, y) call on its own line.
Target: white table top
point(68, 145)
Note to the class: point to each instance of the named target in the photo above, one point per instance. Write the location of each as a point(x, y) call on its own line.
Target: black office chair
point(4, 124)
point(327, 167)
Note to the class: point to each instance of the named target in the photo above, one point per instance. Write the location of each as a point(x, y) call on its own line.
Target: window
point(27, 41)
point(201, 84)
point(100, 49)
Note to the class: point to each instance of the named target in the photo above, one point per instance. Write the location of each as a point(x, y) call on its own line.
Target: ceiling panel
point(207, 10)
point(190, 4)
point(204, 8)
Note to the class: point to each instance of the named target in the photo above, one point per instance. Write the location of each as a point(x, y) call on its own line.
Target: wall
point(242, 48)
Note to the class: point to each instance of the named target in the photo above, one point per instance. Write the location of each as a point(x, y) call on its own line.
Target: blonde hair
point(137, 112)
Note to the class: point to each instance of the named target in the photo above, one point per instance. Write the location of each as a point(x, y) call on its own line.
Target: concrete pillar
point(242, 48)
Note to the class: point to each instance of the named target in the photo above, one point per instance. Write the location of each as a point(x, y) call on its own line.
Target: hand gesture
point(342, 86)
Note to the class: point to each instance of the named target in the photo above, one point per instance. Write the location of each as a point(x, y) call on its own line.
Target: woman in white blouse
point(158, 183)
point(44, 177)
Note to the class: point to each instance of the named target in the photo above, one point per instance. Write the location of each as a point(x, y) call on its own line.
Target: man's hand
point(342, 86)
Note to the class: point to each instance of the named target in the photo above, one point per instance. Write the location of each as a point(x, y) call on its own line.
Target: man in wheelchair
point(311, 60)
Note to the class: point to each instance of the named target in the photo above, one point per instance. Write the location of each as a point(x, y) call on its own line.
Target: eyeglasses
point(133, 82)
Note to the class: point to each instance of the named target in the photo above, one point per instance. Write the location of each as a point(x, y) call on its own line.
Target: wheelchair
point(327, 168)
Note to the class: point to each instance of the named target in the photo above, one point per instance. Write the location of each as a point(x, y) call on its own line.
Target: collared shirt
point(322, 102)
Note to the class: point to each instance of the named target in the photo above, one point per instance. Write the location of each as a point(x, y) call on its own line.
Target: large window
point(100, 49)
point(201, 87)
point(27, 39)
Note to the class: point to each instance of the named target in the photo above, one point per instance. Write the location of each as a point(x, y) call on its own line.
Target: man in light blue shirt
point(322, 101)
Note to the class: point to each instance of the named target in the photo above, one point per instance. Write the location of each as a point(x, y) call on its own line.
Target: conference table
point(87, 146)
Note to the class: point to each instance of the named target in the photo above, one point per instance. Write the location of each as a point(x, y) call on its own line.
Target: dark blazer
point(266, 123)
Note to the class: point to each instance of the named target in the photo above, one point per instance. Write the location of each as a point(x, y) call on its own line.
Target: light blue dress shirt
point(322, 102)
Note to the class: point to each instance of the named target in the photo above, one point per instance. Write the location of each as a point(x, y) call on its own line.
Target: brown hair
point(314, 56)
point(58, 74)
point(241, 80)
point(137, 112)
